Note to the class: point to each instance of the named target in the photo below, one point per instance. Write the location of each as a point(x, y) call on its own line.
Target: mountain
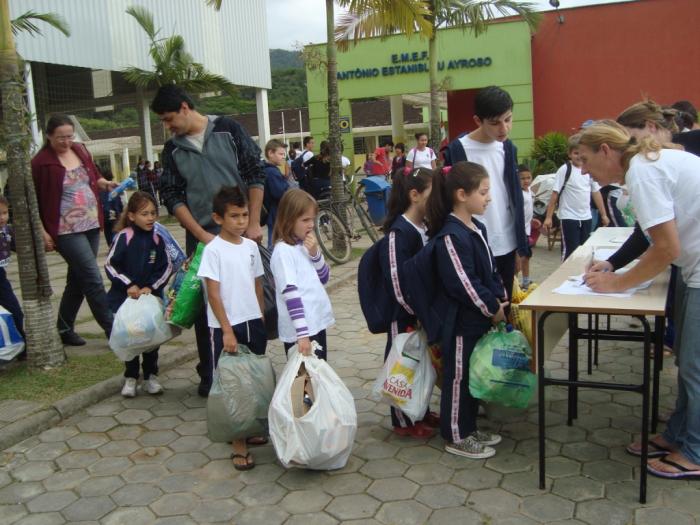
point(283, 59)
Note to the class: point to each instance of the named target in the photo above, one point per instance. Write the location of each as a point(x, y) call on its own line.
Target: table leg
point(540, 394)
point(597, 346)
point(658, 361)
point(645, 411)
point(590, 344)
point(572, 412)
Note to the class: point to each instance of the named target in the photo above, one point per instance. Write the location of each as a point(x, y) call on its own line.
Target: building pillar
point(145, 125)
point(114, 168)
point(396, 104)
point(263, 117)
point(31, 107)
point(126, 168)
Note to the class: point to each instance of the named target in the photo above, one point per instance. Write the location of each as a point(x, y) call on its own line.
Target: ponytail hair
point(619, 139)
point(463, 175)
point(637, 116)
point(403, 181)
point(137, 201)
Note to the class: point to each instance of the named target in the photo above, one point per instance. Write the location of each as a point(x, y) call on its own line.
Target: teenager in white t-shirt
point(573, 194)
point(303, 307)
point(421, 156)
point(232, 272)
point(664, 188)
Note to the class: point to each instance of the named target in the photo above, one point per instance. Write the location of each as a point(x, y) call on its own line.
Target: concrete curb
point(64, 408)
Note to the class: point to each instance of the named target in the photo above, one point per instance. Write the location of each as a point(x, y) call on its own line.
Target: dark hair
point(403, 181)
point(401, 146)
point(170, 98)
point(686, 107)
point(324, 150)
point(420, 134)
point(273, 145)
point(388, 143)
point(463, 175)
point(228, 196)
point(523, 167)
point(107, 174)
point(307, 140)
point(56, 121)
point(296, 145)
point(293, 204)
point(491, 102)
point(684, 120)
point(3, 200)
point(137, 201)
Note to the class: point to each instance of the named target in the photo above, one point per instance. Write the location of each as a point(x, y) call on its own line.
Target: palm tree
point(380, 18)
point(44, 348)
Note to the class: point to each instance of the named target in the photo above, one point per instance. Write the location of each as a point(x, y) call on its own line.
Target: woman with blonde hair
point(664, 188)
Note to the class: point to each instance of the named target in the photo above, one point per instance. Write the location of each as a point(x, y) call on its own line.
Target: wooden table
point(564, 311)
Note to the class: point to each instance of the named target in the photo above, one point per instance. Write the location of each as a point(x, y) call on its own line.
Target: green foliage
point(26, 22)
point(283, 59)
point(549, 152)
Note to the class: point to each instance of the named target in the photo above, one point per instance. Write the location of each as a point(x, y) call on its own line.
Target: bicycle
point(336, 224)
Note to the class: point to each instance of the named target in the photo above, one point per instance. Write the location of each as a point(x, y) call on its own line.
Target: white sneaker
point(470, 448)
point(152, 385)
point(129, 389)
point(486, 438)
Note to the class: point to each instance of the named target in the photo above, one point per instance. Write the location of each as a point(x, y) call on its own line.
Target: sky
point(294, 23)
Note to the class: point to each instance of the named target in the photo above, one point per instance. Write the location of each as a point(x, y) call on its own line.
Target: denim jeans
point(84, 280)
point(683, 428)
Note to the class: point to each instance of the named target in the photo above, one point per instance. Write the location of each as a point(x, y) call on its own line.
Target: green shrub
point(549, 152)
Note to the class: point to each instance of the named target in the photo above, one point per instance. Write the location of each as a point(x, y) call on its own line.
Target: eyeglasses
point(63, 138)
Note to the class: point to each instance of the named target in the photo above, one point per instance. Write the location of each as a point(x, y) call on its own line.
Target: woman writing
point(664, 188)
point(67, 188)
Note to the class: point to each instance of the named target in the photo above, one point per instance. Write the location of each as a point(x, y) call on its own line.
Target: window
point(359, 145)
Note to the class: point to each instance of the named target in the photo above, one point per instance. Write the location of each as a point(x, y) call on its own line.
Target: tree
point(43, 345)
point(381, 18)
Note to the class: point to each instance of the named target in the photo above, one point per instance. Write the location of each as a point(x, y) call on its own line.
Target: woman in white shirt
point(664, 187)
point(421, 156)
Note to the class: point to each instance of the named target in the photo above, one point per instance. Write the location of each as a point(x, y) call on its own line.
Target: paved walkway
point(148, 460)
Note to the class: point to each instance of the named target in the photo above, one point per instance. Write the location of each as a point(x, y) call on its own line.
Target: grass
point(46, 386)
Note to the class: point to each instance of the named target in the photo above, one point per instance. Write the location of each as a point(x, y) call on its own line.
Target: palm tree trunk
point(434, 93)
point(337, 189)
point(43, 345)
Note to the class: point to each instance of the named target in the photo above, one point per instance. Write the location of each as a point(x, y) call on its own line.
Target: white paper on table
point(603, 254)
point(574, 285)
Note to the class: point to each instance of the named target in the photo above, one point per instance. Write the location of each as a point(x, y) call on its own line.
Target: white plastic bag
point(322, 438)
point(11, 342)
point(408, 377)
point(139, 326)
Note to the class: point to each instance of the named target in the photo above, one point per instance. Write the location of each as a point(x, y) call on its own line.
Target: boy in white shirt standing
point(232, 270)
point(489, 146)
point(572, 191)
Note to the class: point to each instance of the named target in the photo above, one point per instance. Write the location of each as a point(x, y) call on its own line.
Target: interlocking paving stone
point(136, 495)
point(133, 416)
point(261, 494)
point(216, 511)
point(354, 506)
point(376, 450)
point(178, 483)
point(109, 466)
point(584, 451)
point(125, 432)
point(122, 447)
point(44, 518)
point(315, 518)
point(87, 441)
point(419, 454)
point(492, 502)
point(11, 513)
point(384, 468)
point(257, 515)
point(682, 498)
point(19, 492)
point(51, 501)
point(145, 473)
point(47, 451)
point(103, 486)
point(305, 501)
point(33, 471)
point(607, 470)
point(578, 488)
point(151, 455)
point(163, 423)
point(66, 479)
point(192, 428)
point(186, 461)
point(392, 489)
point(97, 424)
point(190, 444)
point(300, 479)
point(13, 409)
point(548, 507)
point(261, 474)
point(156, 438)
point(78, 459)
point(88, 509)
point(441, 496)
point(476, 479)
point(600, 512)
point(506, 463)
point(344, 484)
point(174, 504)
point(429, 474)
point(130, 516)
point(658, 516)
point(455, 515)
point(209, 490)
point(404, 512)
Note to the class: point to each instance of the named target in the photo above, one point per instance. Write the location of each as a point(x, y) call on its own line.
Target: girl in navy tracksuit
point(470, 297)
point(138, 264)
point(406, 235)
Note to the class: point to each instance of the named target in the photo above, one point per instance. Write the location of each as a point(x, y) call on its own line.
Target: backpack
point(376, 301)
point(299, 169)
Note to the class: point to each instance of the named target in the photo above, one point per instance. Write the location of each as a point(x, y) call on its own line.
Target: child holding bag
point(469, 299)
point(137, 264)
point(300, 272)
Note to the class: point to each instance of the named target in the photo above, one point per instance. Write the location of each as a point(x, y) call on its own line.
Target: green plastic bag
point(499, 368)
point(186, 292)
point(240, 396)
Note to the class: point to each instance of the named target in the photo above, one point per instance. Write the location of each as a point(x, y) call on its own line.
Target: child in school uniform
point(470, 297)
point(275, 183)
point(138, 264)
point(8, 299)
point(300, 271)
point(532, 225)
point(232, 271)
point(572, 192)
point(406, 233)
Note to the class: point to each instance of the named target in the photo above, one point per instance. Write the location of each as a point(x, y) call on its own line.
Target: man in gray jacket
point(205, 153)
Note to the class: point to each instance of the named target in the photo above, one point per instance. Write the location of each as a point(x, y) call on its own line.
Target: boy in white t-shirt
point(532, 225)
point(232, 271)
point(572, 191)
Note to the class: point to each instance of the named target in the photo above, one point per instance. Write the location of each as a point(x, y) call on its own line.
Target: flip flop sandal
point(683, 472)
point(248, 464)
point(654, 451)
point(257, 440)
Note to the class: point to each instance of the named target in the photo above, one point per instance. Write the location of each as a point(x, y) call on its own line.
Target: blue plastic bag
point(11, 342)
point(172, 247)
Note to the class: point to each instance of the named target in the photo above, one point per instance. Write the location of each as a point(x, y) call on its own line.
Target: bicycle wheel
point(366, 221)
point(333, 236)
